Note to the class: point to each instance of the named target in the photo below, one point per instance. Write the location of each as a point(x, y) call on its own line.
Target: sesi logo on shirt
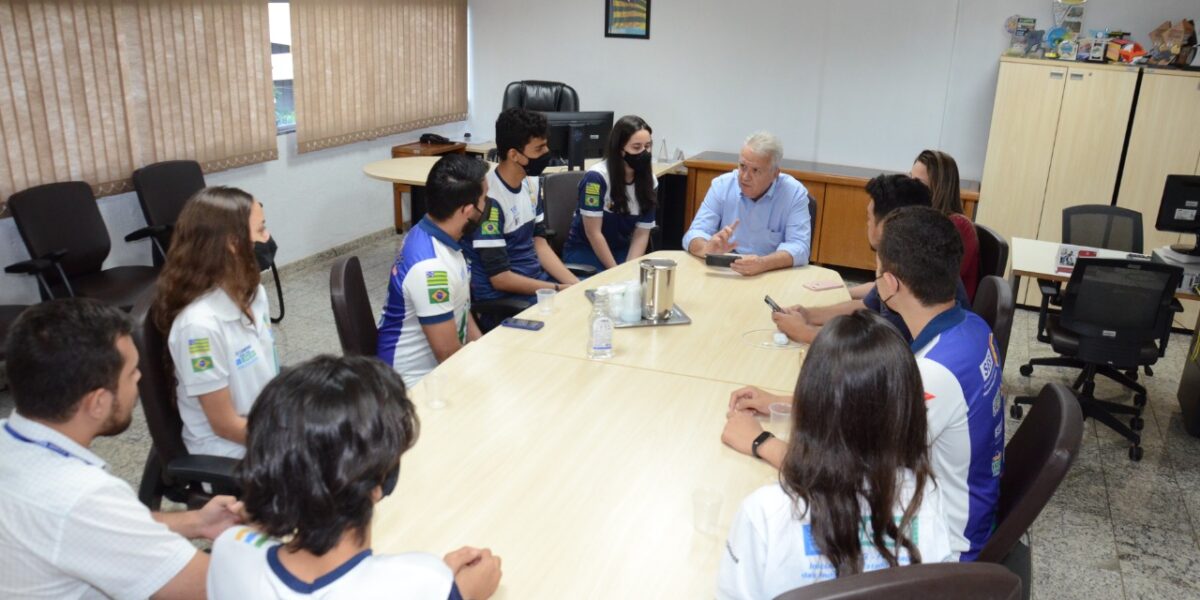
point(245, 357)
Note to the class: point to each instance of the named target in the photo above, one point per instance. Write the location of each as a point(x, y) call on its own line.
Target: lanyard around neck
point(51, 446)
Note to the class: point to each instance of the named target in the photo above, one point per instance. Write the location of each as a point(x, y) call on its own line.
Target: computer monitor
point(575, 136)
point(1180, 210)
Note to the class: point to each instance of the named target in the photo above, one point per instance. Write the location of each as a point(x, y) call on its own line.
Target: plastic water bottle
point(600, 328)
point(631, 309)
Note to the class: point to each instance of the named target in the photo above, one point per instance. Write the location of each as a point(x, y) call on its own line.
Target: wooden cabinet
point(839, 236)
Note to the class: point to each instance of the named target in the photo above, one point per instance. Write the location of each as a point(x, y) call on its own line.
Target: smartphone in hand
point(774, 306)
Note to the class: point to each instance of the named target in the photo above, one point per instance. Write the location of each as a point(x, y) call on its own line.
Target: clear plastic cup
point(545, 301)
point(781, 419)
point(706, 510)
point(434, 390)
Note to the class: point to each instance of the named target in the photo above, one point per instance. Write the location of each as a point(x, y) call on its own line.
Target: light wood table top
point(579, 474)
point(723, 307)
point(1039, 258)
point(414, 170)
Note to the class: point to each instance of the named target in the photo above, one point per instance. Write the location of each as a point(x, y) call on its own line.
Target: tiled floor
point(1116, 529)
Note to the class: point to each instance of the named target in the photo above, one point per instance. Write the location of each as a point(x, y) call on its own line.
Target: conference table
point(580, 473)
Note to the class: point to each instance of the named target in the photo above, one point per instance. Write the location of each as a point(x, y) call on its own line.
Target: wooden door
point(1024, 121)
point(1165, 141)
point(844, 227)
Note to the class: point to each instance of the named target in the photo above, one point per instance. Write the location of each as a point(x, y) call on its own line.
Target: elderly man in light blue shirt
point(755, 211)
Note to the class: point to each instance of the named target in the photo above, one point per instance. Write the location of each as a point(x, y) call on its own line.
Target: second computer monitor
point(1180, 209)
point(575, 136)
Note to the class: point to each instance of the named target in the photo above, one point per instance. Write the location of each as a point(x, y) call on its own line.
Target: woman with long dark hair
point(939, 172)
point(616, 200)
point(213, 309)
point(856, 490)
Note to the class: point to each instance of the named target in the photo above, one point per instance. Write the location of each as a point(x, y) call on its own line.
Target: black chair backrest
point(1036, 460)
point(1102, 226)
point(156, 387)
point(561, 193)
point(62, 216)
point(352, 308)
point(1115, 306)
point(993, 252)
point(163, 188)
point(544, 96)
point(994, 303)
point(934, 581)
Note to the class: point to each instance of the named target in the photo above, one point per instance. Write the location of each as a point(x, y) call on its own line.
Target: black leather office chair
point(65, 235)
point(993, 252)
point(934, 581)
point(544, 96)
point(1036, 461)
point(170, 470)
point(561, 193)
point(163, 189)
point(352, 308)
point(994, 303)
point(1113, 314)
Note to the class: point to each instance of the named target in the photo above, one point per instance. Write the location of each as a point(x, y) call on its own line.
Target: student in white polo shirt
point(213, 310)
point(427, 315)
point(326, 440)
point(68, 528)
point(856, 491)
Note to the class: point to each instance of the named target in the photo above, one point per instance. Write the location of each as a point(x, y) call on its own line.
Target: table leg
point(1015, 281)
point(398, 214)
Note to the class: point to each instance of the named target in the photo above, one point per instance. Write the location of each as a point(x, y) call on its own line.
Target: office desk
point(723, 307)
point(579, 474)
point(412, 171)
point(1039, 259)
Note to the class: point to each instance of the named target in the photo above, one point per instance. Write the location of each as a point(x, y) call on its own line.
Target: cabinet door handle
point(1076, 76)
point(1056, 74)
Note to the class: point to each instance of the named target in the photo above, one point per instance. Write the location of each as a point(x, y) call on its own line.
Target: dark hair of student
point(643, 184)
point(890, 192)
point(515, 127)
point(943, 181)
point(59, 351)
point(454, 181)
point(921, 247)
point(321, 437)
point(858, 420)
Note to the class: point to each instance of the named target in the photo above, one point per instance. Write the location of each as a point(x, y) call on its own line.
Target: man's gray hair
point(766, 144)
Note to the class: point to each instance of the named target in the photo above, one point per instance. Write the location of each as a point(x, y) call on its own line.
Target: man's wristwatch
point(758, 441)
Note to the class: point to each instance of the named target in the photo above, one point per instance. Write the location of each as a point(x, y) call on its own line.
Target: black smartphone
point(721, 260)
point(529, 324)
point(774, 307)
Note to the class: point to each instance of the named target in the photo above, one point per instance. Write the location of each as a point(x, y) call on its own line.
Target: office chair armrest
point(148, 231)
point(579, 270)
point(1050, 289)
point(217, 470)
point(32, 266)
point(550, 234)
point(500, 307)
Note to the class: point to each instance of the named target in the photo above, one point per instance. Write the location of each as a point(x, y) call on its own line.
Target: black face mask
point(472, 224)
point(639, 162)
point(537, 165)
point(388, 485)
point(264, 252)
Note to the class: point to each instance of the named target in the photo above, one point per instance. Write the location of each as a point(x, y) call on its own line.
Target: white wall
point(313, 202)
point(862, 82)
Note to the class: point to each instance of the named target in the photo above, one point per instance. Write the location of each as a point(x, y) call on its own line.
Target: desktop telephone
point(433, 138)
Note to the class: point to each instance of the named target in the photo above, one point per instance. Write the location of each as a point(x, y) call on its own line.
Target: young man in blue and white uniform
point(918, 260)
point(427, 316)
point(509, 254)
point(70, 528)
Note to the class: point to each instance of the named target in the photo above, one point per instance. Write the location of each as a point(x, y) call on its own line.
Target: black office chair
point(65, 235)
point(561, 194)
point(352, 308)
point(1036, 461)
point(544, 96)
point(934, 581)
point(994, 303)
point(993, 252)
point(1113, 314)
point(170, 471)
point(163, 189)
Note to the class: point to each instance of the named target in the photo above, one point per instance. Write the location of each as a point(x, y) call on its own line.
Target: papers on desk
point(1068, 254)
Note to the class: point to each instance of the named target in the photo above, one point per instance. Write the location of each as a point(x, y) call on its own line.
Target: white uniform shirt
point(69, 529)
point(245, 564)
point(771, 551)
point(214, 346)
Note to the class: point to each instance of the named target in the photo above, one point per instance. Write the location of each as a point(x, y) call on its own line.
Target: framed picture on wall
point(627, 19)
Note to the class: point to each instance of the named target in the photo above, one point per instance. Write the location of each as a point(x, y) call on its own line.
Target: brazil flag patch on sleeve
point(202, 364)
point(438, 283)
point(439, 295)
point(591, 195)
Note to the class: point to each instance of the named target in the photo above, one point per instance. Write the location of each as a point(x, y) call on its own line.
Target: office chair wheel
point(1139, 400)
point(1026, 370)
point(1016, 411)
point(1132, 374)
point(1135, 453)
point(1137, 423)
point(1149, 371)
